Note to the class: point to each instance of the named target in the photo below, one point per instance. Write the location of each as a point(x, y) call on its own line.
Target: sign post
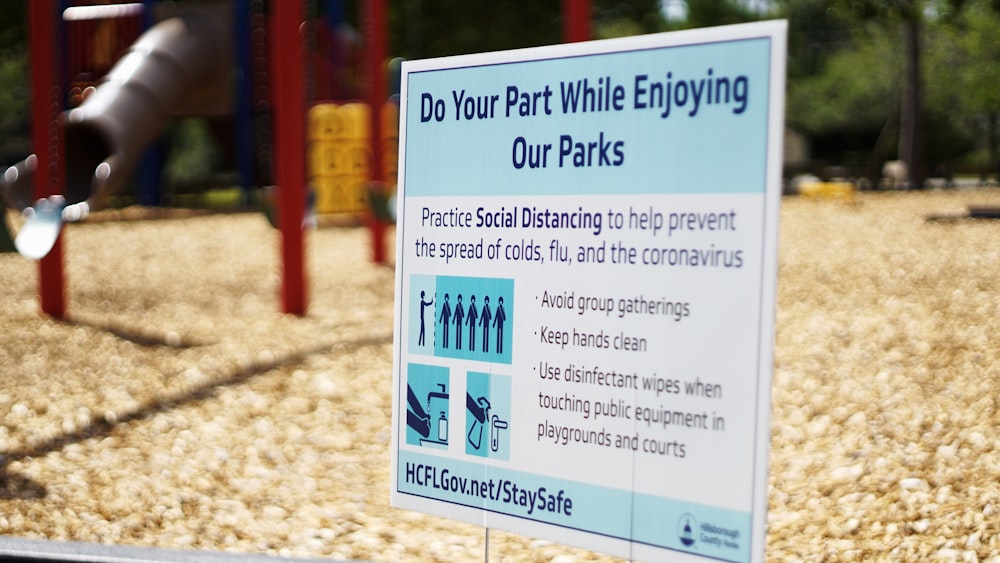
point(586, 262)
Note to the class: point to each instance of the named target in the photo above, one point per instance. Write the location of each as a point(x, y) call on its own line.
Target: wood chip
point(178, 408)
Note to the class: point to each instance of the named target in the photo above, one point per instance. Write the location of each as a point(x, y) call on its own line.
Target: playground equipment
point(838, 190)
point(181, 63)
point(339, 160)
point(181, 59)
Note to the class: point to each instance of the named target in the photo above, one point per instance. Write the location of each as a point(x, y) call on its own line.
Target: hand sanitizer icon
point(443, 428)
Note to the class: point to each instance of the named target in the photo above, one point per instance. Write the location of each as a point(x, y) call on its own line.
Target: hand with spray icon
point(480, 411)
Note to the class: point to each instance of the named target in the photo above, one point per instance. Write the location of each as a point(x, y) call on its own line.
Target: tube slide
point(179, 58)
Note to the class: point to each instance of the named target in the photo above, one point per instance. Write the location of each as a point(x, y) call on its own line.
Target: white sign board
point(585, 280)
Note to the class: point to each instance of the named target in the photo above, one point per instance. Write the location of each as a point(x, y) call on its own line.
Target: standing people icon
point(484, 320)
point(470, 319)
point(445, 319)
point(498, 321)
point(459, 317)
point(423, 306)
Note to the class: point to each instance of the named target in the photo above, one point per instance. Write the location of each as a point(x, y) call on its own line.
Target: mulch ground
point(176, 407)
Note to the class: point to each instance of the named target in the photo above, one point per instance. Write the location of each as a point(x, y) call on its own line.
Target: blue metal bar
point(150, 174)
point(243, 107)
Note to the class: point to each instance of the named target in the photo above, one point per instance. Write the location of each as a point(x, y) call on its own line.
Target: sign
point(585, 280)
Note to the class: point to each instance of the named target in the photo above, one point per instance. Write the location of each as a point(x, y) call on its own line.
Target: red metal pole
point(576, 20)
point(287, 73)
point(375, 39)
point(47, 104)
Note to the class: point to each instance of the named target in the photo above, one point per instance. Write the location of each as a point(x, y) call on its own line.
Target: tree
point(906, 16)
point(421, 28)
point(632, 17)
point(975, 35)
point(704, 13)
point(15, 96)
point(849, 108)
point(911, 126)
point(815, 32)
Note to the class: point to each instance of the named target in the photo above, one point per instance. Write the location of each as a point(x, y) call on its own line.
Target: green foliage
point(845, 108)
point(13, 26)
point(620, 18)
point(194, 154)
point(846, 73)
point(815, 32)
point(15, 131)
point(617, 28)
point(857, 89)
point(976, 37)
point(963, 62)
point(704, 13)
point(15, 124)
point(451, 27)
point(424, 28)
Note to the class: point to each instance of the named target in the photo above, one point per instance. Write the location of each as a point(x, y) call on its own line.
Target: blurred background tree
point(435, 28)
point(15, 124)
point(876, 80)
point(966, 58)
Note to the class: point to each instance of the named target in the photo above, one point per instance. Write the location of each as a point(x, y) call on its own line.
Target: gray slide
point(181, 66)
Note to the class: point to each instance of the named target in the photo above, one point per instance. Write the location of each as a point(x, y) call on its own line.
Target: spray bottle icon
point(480, 409)
point(481, 418)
